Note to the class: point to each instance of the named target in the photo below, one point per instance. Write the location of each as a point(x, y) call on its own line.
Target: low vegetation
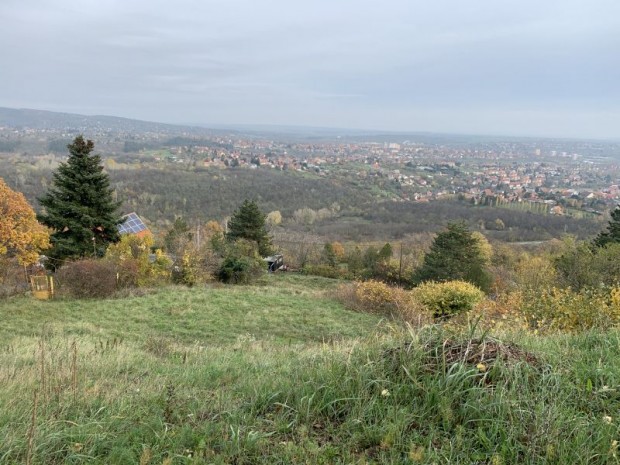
point(282, 373)
point(447, 299)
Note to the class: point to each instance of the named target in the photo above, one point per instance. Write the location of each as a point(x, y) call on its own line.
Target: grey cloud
point(513, 67)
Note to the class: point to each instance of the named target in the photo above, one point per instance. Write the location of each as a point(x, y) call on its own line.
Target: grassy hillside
point(281, 373)
point(283, 309)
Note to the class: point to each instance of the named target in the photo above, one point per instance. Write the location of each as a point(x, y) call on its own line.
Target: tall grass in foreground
point(392, 396)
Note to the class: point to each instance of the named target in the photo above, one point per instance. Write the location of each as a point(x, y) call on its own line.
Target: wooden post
point(400, 264)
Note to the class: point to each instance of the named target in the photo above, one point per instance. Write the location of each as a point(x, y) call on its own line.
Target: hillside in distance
point(51, 120)
point(20, 118)
point(46, 120)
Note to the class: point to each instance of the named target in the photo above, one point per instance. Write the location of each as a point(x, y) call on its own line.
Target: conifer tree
point(79, 207)
point(612, 235)
point(385, 254)
point(330, 255)
point(355, 262)
point(248, 222)
point(454, 255)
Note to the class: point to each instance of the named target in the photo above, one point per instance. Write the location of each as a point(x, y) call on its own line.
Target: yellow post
point(42, 287)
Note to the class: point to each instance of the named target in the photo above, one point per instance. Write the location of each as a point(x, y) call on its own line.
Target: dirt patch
point(487, 351)
point(473, 352)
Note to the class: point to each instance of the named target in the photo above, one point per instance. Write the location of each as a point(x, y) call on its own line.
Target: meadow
point(281, 372)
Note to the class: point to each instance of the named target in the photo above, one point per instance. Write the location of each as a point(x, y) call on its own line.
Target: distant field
point(280, 373)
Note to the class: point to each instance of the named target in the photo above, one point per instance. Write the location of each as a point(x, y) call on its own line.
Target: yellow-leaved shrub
point(135, 267)
point(380, 298)
point(378, 295)
point(501, 313)
point(558, 309)
point(449, 298)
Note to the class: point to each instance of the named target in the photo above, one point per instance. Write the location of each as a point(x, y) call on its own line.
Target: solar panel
point(132, 224)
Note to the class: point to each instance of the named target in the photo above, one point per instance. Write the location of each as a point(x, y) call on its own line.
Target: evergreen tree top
point(79, 206)
point(81, 147)
point(248, 222)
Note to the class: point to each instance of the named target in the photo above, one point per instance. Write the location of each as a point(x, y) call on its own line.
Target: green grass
point(205, 376)
point(285, 309)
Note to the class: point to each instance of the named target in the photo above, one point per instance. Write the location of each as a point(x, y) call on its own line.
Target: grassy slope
point(288, 310)
point(181, 389)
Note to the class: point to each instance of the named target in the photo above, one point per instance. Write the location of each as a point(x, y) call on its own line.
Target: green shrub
point(579, 265)
point(325, 271)
point(447, 299)
point(242, 264)
point(240, 270)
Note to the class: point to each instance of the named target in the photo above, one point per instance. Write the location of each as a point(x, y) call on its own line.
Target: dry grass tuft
point(477, 352)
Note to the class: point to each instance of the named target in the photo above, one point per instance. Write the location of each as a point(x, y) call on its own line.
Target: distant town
point(558, 177)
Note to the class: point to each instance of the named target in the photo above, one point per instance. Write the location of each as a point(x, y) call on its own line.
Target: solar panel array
point(132, 225)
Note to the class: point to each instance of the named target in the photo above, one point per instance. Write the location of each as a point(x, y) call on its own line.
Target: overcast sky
point(513, 67)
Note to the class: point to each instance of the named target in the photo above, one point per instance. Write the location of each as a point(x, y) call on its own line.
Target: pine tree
point(612, 235)
point(79, 207)
point(385, 254)
point(248, 222)
point(330, 255)
point(454, 255)
point(355, 262)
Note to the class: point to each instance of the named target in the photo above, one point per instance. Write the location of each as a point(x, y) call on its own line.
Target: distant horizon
point(264, 127)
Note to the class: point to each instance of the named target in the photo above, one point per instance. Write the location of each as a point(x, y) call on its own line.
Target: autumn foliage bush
point(504, 312)
point(135, 265)
point(379, 298)
point(87, 279)
point(21, 235)
point(558, 309)
point(12, 278)
point(449, 298)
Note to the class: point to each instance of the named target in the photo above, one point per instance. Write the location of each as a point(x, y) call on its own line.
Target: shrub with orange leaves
point(501, 313)
point(21, 235)
point(379, 298)
point(338, 249)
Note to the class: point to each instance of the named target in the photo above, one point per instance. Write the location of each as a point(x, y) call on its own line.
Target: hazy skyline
point(514, 67)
